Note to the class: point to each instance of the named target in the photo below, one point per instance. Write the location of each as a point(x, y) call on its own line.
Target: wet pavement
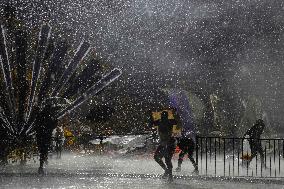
point(93, 171)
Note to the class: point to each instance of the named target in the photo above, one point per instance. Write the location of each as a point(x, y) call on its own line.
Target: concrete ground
point(94, 171)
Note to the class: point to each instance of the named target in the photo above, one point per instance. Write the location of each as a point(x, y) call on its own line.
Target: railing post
point(274, 158)
point(272, 150)
point(270, 166)
point(279, 156)
point(238, 161)
point(201, 151)
point(256, 164)
point(210, 150)
point(206, 159)
point(283, 148)
point(233, 156)
point(215, 152)
point(196, 147)
point(242, 140)
point(224, 151)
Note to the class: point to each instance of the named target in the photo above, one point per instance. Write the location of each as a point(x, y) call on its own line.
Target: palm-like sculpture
point(32, 110)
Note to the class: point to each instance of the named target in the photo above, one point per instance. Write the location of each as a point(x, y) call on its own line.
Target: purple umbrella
point(179, 100)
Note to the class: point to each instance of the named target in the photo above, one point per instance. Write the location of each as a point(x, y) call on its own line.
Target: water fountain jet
point(40, 104)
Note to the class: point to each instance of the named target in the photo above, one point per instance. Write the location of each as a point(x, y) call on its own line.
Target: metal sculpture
point(31, 111)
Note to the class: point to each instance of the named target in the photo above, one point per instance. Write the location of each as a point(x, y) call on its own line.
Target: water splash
point(47, 102)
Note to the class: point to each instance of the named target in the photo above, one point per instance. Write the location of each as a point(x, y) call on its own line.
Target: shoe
point(170, 175)
point(170, 178)
point(178, 169)
point(165, 175)
point(40, 171)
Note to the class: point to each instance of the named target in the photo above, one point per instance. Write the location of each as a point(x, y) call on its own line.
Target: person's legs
point(260, 151)
point(180, 159)
point(43, 153)
point(168, 160)
point(43, 143)
point(190, 157)
point(159, 155)
point(59, 149)
point(253, 148)
point(170, 149)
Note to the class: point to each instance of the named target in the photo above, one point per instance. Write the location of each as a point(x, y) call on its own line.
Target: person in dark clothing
point(187, 146)
point(254, 134)
point(45, 124)
point(166, 146)
point(58, 138)
point(101, 138)
point(84, 141)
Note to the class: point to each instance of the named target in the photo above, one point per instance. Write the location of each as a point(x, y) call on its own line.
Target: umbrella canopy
point(179, 100)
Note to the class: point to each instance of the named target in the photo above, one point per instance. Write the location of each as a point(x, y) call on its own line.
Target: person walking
point(58, 138)
point(187, 146)
point(254, 134)
point(166, 145)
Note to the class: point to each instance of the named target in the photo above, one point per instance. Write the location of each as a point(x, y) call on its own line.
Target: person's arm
point(151, 121)
point(173, 121)
point(154, 123)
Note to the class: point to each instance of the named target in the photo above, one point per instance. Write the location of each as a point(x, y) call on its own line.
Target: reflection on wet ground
point(89, 171)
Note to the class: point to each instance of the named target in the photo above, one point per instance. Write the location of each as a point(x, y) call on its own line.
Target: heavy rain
point(87, 87)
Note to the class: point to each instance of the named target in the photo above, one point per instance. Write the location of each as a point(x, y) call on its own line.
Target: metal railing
point(221, 156)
